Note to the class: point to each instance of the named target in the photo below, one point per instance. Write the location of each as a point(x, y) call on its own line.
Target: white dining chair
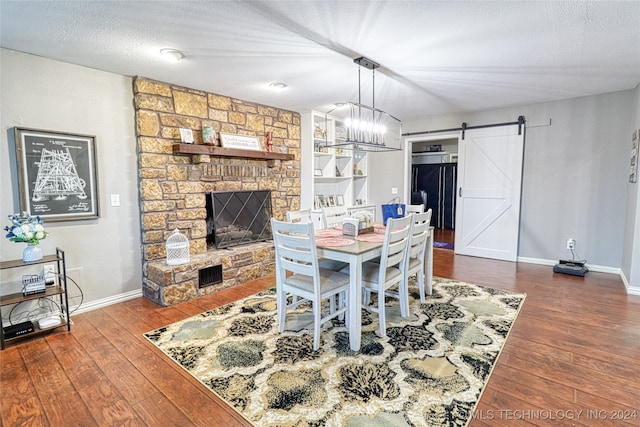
point(296, 253)
point(379, 276)
point(303, 215)
point(414, 209)
point(417, 250)
point(333, 216)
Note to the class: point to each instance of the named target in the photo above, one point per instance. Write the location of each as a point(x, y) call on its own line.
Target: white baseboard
point(631, 290)
point(539, 261)
point(84, 307)
point(624, 280)
point(592, 267)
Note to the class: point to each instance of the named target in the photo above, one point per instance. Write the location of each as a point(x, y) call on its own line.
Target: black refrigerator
point(435, 186)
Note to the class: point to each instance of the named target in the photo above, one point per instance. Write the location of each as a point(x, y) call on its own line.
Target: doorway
point(432, 162)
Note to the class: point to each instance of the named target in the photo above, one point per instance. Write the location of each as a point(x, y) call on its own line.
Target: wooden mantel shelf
point(213, 150)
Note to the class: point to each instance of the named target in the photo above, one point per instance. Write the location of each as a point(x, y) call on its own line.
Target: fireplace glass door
point(238, 217)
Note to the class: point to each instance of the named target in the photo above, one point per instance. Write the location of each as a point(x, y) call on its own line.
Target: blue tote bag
point(393, 209)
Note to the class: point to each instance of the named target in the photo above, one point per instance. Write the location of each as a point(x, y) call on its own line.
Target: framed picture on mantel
point(56, 174)
point(241, 142)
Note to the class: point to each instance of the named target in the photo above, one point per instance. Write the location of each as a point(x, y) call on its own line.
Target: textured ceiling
point(436, 57)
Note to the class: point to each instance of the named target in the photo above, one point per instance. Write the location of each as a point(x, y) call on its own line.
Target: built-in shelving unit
point(333, 172)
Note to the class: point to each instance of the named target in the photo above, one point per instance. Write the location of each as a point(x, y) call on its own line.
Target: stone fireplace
point(174, 185)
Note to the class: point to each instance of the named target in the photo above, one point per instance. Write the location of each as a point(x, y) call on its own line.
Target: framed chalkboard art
point(56, 174)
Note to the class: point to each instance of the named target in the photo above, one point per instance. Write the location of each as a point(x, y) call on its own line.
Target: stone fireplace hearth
point(173, 187)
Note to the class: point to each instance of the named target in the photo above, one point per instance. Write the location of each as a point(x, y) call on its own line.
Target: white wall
point(574, 177)
point(103, 254)
point(383, 176)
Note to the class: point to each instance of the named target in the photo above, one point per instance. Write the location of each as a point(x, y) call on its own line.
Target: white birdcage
point(177, 248)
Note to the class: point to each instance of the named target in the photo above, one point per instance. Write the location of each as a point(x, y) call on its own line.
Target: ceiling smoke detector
point(174, 55)
point(278, 85)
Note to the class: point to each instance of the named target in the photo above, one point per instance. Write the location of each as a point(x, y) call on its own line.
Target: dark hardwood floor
point(572, 359)
point(443, 235)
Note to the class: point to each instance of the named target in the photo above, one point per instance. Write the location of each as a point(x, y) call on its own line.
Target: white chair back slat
point(333, 216)
point(296, 267)
point(299, 216)
point(415, 208)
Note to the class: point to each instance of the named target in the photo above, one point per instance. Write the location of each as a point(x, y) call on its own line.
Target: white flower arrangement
point(25, 228)
point(363, 216)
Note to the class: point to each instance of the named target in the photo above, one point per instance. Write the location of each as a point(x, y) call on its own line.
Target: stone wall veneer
point(173, 187)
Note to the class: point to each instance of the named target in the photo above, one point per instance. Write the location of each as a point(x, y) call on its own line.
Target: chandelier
point(361, 127)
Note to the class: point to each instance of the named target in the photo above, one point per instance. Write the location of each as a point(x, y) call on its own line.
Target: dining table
point(355, 251)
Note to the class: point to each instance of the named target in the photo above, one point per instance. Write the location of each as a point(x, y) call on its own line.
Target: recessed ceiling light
point(277, 85)
point(173, 55)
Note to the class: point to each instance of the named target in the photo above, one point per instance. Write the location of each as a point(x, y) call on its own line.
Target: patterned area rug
point(430, 370)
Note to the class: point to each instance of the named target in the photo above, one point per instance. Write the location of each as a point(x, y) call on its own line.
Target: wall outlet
point(571, 243)
point(49, 273)
point(394, 190)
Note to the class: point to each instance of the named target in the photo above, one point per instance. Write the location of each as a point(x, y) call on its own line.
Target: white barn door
point(488, 192)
